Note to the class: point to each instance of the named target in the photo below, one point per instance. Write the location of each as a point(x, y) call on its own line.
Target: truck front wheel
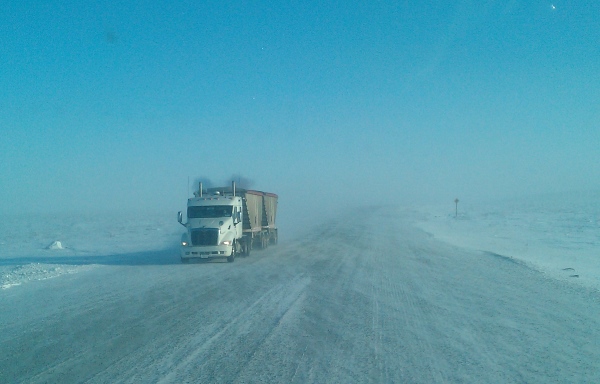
point(231, 258)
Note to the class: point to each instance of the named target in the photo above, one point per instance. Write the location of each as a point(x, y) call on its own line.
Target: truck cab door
point(237, 219)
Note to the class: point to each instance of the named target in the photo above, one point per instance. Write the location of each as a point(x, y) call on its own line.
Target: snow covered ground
point(86, 240)
point(558, 234)
point(380, 295)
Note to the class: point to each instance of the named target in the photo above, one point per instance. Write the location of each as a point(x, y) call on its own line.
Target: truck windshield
point(209, 211)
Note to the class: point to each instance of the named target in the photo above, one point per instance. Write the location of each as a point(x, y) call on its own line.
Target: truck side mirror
point(180, 218)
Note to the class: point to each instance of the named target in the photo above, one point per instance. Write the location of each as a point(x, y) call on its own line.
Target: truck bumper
point(205, 252)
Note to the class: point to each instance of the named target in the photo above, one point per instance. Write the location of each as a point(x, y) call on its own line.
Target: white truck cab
point(224, 222)
point(214, 227)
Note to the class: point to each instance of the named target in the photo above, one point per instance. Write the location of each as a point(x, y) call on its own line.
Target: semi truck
point(225, 222)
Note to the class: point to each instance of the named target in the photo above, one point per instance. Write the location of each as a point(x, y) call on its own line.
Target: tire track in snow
point(400, 315)
point(248, 325)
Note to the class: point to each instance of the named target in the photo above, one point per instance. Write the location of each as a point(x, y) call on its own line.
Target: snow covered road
point(377, 302)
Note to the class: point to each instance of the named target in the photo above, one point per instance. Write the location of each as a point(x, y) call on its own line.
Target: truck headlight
point(184, 243)
point(226, 242)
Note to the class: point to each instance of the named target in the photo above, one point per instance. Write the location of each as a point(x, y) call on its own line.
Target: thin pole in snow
point(456, 211)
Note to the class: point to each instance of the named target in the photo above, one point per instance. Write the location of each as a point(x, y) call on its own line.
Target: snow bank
point(558, 234)
point(19, 274)
point(55, 245)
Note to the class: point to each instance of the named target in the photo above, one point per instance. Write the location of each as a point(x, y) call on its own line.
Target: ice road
point(378, 302)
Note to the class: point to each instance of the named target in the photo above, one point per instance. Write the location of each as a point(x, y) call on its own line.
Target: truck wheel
point(274, 239)
point(231, 258)
point(185, 261)
point(247, 247)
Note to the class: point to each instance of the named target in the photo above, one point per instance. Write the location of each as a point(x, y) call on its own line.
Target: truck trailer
point(227, 221)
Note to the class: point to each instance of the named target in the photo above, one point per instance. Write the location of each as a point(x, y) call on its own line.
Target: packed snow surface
point(384, 294)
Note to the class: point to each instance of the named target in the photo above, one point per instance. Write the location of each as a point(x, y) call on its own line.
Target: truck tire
point(247, 247)
point(231, 258)
point(264, 242)
point(185, 260)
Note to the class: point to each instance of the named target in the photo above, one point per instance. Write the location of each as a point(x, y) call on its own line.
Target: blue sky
point(108, 106)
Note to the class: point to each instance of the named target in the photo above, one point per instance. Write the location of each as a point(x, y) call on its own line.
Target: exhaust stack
point(233, 187)
point(200, 189)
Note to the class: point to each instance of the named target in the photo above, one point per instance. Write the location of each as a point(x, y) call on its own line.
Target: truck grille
point(205, 237)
